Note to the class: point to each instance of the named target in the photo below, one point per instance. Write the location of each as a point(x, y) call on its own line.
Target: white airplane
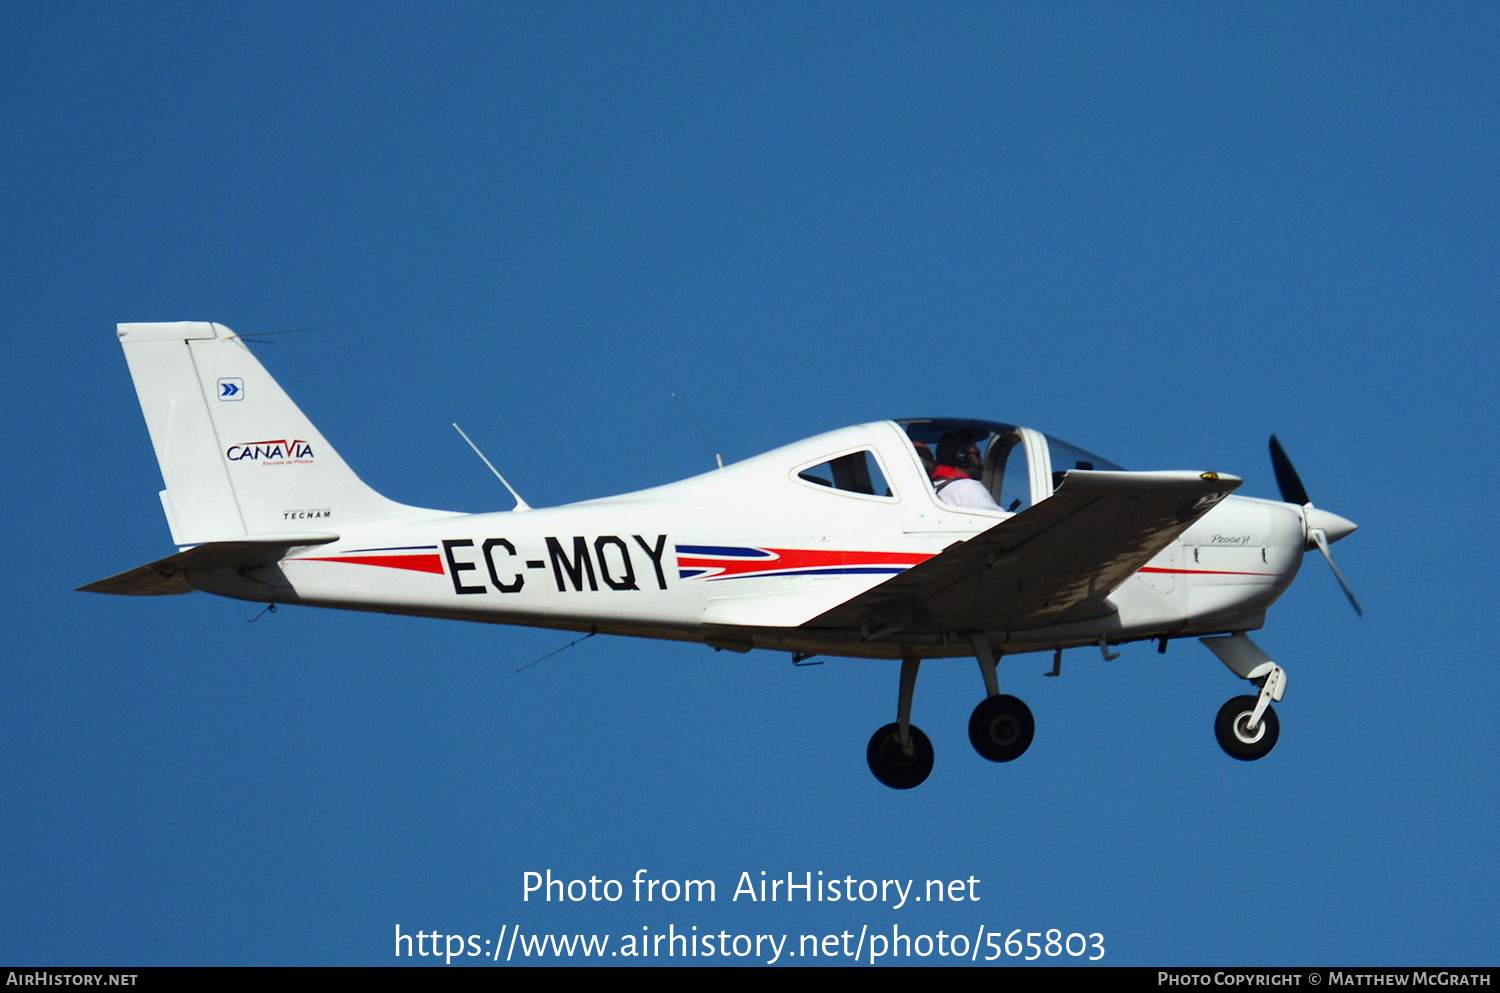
point(838, 545)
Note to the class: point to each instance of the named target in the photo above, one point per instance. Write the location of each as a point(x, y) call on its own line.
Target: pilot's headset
point(953, 449)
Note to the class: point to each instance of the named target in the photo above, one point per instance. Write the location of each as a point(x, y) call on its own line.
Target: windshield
point(1066, 456)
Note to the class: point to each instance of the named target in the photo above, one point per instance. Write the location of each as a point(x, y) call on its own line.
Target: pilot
point(955, 478)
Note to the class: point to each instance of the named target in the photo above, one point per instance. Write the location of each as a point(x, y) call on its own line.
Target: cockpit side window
point(857, 472)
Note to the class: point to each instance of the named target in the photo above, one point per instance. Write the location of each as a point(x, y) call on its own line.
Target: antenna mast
point(520, 504)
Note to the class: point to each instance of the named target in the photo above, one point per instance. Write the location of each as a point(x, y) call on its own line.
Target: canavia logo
point(275, 450)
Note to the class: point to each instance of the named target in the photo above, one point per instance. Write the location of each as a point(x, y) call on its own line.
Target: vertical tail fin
point(237, 455)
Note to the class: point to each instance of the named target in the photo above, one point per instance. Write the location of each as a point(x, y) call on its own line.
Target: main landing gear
point(900, 765)
point(899, 754)
point(1000, 729)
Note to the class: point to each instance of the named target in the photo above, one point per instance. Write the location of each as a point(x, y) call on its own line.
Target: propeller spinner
point(1323, 527)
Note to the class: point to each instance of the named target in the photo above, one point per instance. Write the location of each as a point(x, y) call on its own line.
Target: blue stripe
point(723, 551)
point(831, 571)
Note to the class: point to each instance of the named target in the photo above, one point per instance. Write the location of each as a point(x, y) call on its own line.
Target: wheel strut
point(909, 667)
point(1001, 727)
point(899, 754)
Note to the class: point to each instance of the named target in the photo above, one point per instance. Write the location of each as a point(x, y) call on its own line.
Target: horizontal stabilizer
point(169, 575)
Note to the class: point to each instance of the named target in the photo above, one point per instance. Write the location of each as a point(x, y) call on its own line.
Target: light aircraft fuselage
point(847, 543)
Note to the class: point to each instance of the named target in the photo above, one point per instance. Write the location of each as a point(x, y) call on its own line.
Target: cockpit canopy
point(1019, 466)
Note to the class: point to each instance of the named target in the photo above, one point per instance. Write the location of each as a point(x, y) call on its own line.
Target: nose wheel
point(1240, 738)
point(1247, 727)
point(1001, 728)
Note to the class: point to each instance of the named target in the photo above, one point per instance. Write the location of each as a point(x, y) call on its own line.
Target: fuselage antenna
point(520, 504)
point(717, 457)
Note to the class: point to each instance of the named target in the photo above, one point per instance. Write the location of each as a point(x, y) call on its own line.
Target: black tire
point(890, 762)
point(1239, 743)
point(1001, 728)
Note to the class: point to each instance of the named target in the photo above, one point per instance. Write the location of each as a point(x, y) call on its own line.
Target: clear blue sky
point(1160, 231)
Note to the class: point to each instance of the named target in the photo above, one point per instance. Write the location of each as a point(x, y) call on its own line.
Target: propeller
point(1323, 527)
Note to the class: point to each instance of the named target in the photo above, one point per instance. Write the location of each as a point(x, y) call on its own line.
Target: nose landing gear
point(1247, 727)
point(1239, 737)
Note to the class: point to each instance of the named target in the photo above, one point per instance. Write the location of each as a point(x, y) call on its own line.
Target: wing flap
point(168, 576)
point(1057, 561)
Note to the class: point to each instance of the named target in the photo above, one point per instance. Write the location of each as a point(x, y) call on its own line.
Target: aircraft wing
point(169, 575)
point(1054, 562)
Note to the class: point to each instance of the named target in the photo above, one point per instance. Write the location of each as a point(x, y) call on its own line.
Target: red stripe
point(1207, 572)
point(415, 563)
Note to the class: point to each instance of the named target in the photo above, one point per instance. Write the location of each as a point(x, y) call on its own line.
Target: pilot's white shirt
point(970, 494)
